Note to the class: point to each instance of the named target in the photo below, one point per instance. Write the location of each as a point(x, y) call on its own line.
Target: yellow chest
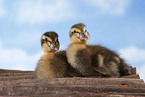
point(72, 51)
point(47, 58)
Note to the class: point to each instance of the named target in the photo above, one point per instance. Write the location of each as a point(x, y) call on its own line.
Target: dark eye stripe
point(74, 32)
point(46, 40)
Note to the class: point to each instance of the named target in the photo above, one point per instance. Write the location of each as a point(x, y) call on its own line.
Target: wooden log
point(76, 81)
point(69, 90)
point(24, 83)
point(17, 74)
point(12, 71)
point(19, 90)
point(136, 76)
point(70, 86)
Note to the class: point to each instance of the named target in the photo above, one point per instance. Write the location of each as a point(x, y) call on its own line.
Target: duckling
point(78, 55)
point(93, 60)
point(52, 64)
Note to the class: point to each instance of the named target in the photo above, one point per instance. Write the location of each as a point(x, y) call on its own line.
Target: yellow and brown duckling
point(52, 64)
point(93, 60)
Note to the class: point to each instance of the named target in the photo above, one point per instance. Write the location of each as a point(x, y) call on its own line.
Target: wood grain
point(24, 83)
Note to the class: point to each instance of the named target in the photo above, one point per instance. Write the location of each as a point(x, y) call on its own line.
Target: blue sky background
point(117, 24)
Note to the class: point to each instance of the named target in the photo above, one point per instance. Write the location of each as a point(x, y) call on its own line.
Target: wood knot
point(125, 85)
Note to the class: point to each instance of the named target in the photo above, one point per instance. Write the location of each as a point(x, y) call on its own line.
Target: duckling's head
point(79, 34)
point(49, 42)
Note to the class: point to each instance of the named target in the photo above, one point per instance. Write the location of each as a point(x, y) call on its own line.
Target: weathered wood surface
point(73, 86)
point(24, 83)
point(16, 75)
point(13, 71)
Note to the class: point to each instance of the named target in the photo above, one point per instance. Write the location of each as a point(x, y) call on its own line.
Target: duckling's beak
point(83, 36)
point(54, 47)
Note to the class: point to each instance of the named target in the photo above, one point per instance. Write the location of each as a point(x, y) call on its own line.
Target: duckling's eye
point(55, 42)
point(45, 39)
point(74, 32)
